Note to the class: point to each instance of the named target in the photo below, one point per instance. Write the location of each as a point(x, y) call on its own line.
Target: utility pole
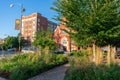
point(21, 14)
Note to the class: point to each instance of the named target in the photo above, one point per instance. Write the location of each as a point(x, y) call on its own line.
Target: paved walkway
point(57, 73)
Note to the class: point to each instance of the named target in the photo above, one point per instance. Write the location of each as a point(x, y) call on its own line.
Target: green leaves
point(94, 21)
point(24, 66)
point(44, 39)
point(12, 42)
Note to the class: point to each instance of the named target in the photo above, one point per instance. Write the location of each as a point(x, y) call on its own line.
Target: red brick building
point(63, 39)
point(33, 23)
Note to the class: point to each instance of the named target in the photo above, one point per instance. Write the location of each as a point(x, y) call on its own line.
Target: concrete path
point(57, 73)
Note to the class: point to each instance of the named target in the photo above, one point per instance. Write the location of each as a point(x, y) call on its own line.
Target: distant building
point(33, 23)
point(1, 41)
point(63, 39)
point(52, 26)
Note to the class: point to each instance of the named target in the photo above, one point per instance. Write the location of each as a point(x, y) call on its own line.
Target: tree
point(44, 40)
point(93, 20)
point(97, 22)
point(12, 42)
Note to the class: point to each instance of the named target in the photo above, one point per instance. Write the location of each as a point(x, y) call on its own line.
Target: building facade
point(1, 41)
point(33, 23)
point(63, 40)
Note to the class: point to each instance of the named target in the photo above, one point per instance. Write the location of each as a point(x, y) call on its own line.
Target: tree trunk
point(113, 51)
point(108, 56)
point(89, 49)
point(100, 55)
point(94, 53)
point(97, 56)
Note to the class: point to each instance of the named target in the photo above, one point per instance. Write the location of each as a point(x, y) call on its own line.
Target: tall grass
point(83, 69)
point(24, 66)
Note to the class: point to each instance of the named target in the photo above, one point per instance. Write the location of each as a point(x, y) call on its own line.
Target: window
point(38, 24)
point(38, 20)
point(64, 42)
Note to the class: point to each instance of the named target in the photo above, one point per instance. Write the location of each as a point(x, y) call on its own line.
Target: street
point(4, 54)
point(7, 52)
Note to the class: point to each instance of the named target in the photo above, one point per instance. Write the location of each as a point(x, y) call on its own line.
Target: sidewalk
point(57, 73)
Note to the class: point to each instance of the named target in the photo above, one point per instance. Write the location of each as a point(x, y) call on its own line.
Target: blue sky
point(8, 15)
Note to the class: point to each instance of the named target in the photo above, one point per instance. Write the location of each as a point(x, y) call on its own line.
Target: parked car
point(28, 50)
point(12, 49)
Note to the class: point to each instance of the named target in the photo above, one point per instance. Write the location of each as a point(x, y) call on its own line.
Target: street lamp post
point(21, 14)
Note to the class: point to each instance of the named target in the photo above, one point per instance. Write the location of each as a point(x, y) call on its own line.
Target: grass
point(93, 72)
point(82, 69)
point(24, 66)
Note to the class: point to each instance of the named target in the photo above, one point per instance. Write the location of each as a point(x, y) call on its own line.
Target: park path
point(57, 73)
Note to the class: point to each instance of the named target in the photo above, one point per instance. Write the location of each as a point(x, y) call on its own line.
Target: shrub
point(93, 72)
point(82, 69)
point(24, 66)
point(80, 53)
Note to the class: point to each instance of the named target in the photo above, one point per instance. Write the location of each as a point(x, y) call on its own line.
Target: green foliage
point(79, 59)
point(93, 72)
point(12, 42)
point(82, 69)
point(96, 21)
point(80, 53)
point(24, 66)
point(44, 39)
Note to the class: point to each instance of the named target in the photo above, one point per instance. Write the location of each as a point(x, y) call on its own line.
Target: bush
point(82, 69)
point(80, 53)
point(93, 72)
point(24, 66)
